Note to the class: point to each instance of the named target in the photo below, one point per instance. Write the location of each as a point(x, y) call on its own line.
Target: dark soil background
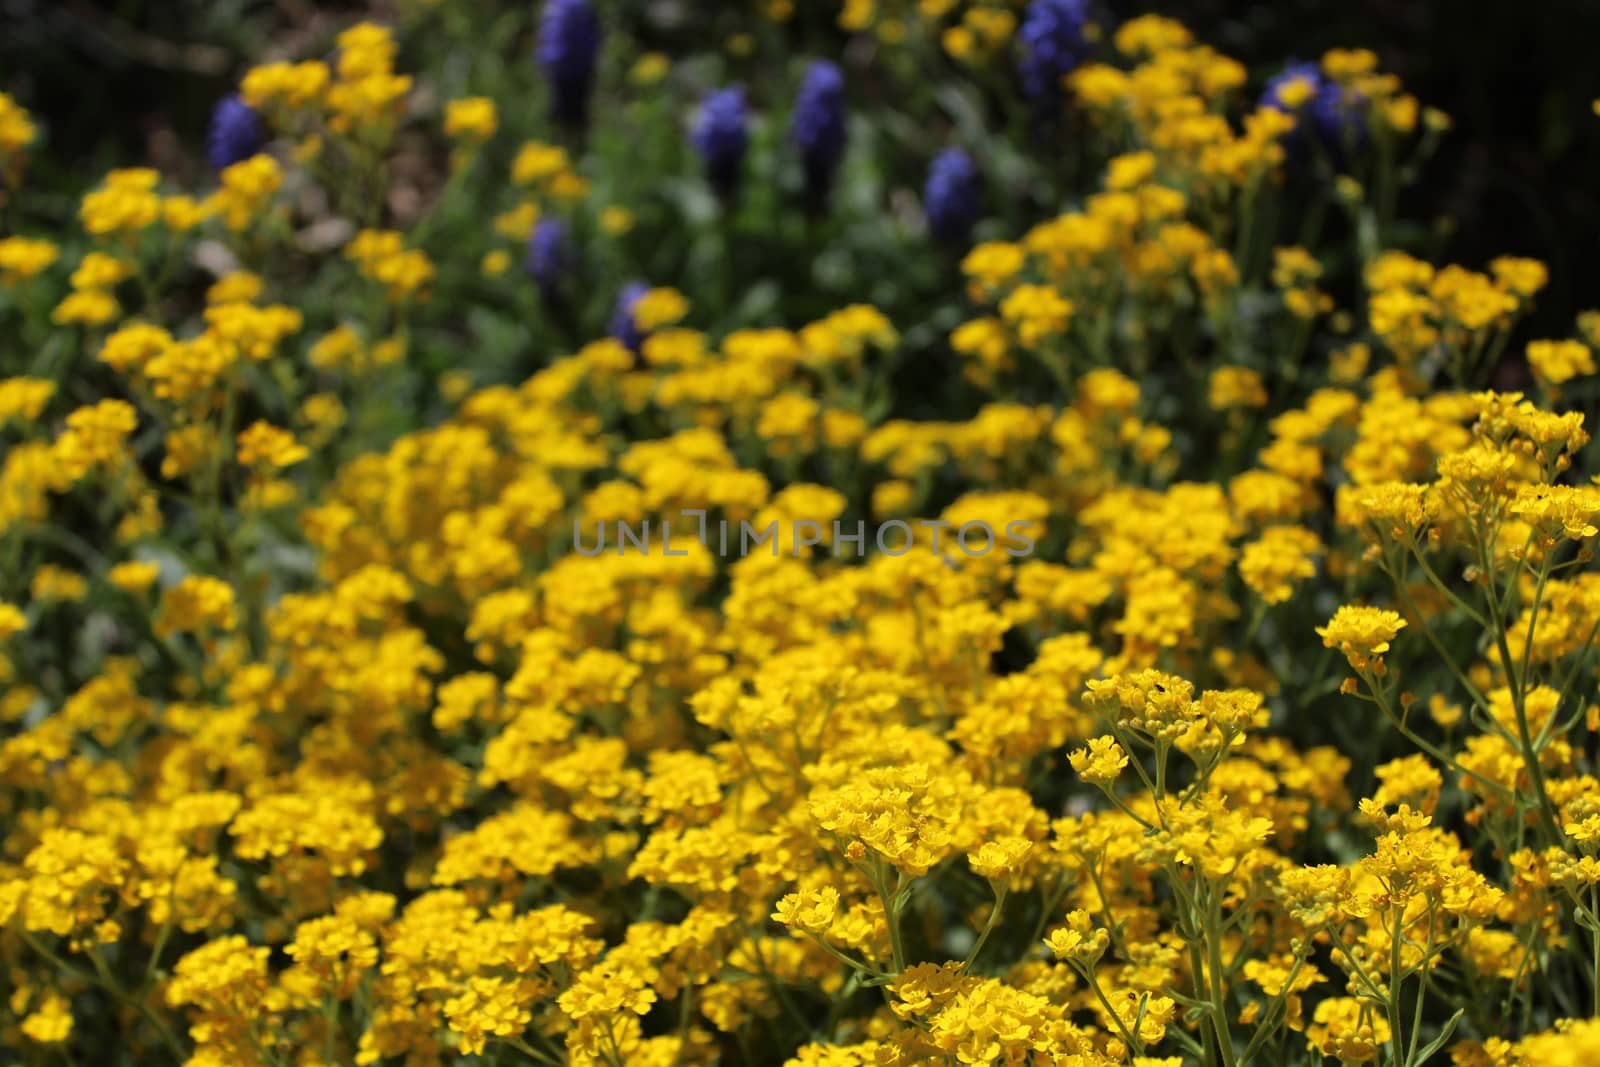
point(1519, 174)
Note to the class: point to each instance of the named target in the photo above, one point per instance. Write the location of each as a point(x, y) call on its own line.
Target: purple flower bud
point(622, 327)
point(721, 136)
point(236, 133)
point(818, 127)
point(569, 52)
point(549, 255)
point(952, 198)
point(1053, 45)
point(1335, 113)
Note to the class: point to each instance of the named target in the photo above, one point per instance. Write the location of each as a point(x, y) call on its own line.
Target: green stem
point(1530, 754)
point(161, 943)
point(529, 1051)
point(1392, 1002)
point(1380, 697)
point(1087, 971)
point(988, 928)
point(891, 916)
point(1219, 1013)
point(685, 1013)
point(110, 985)
point(1438, 647)
point(1594, 912)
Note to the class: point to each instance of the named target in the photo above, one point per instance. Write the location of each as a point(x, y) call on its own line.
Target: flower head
point(951, 198)
point(1333, 111)
point(549, 255)
point(818, 127)
point(721, 136)
point(569, 52)
point(810, 912)
point(1101, 762)
point(236, 134)
point(17, 130)
point(1293, 87)
point(471, 120)
point(623, 327)
point(1361, 633)
point(1558, 362)
point(1053, 45)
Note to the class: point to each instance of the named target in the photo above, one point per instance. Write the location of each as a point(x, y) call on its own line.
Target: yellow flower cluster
point(332, 744)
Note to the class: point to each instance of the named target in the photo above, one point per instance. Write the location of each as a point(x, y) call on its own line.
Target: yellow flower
point(1150, 35)
point(1294, 267)
point(490, 1007)
point(381, 255)
point(471, 119)
point(254, 333)
point(323, 413)
point(1236, 387)
point(247, 190)
point(96, 437)
point(86, 307)
point(268, 447)
point(537, 163)
point(991, 264)
point(1556, 362)
point(183, 213)
point(23, 257)
point(1036, 312)
point(811, 912)
point(495, 263)
point(292, 86)
point(134, 576)
point(658, 308)
point(12, 621)
point(236, 287)
point(1079, 941)
point(195, 604)
point(1361, 633)
point(51, 1022)
point(1523, 277)
point(1001, 859)
point(1280, 558)
point(126, 203)
point(649, 69)
point(24, 399)
point(1348, 1029)
point(1297, 92)
point(1130, 170)
point(1559, 511)
point(17, 130)
point(100, 271)
point(959, 43)
point(1101, 762)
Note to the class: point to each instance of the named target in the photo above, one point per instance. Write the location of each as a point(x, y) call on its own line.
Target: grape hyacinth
point(1053, 45)
point(951, 199)
point(549, 256)
point(1338, 114)
point(1333, 111)
point(569, 52)
point(818, 129)
point(623, 327)
point(721, 136)
point(236, 133)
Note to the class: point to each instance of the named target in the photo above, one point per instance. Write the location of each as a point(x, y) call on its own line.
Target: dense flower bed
point(1265, 734)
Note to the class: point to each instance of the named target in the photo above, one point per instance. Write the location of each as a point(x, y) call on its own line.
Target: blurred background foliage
point(121, 82)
